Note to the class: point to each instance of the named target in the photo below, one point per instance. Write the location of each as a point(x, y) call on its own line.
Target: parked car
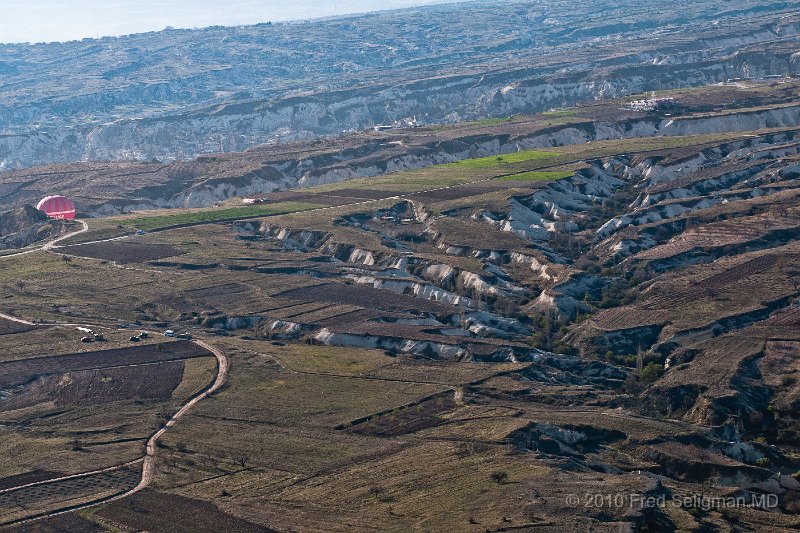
point(135, 339)
point(169, 333)
point(87, 339)
point(184, 336)
point(144, 335)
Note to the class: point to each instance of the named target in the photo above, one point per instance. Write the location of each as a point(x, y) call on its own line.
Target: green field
point(505, 159)
point(216, 215)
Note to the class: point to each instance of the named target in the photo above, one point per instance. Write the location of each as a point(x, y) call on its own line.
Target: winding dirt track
point(52, 244)
point(149, 459)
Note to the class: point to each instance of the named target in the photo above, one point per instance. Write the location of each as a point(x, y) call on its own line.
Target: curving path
point(149, 459)
point(150, 456)
point(52, 244)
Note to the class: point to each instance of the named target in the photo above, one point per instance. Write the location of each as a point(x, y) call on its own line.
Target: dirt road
point(151, 449)
point(52, 244)
point(149, 460)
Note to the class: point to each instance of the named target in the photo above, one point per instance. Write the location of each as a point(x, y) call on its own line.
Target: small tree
point(652, 372)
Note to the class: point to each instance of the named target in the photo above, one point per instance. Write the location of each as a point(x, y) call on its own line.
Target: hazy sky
point(62, 20)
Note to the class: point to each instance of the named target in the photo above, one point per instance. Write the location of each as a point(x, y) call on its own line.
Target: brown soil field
point(453, 193)
point(790, 318)
point(735, 274)
point(365, 194)
point(69, 523)
point(33, 476)
point(68, 492)
point(388, 329)
point(149, 382)
point(323, 199)
point(16, 372)
point(124, 252)
point(718, 234)
point(363, 315)
point(333, 197)
point(472, 234)
point(159, 511)
point(407, 420)
point(330, 312)
point(217, 295)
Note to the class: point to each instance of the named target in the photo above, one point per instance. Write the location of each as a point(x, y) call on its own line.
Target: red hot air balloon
point(57, 207)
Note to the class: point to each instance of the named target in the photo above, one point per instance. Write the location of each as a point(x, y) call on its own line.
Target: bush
point(652, 372)
point(500, 478)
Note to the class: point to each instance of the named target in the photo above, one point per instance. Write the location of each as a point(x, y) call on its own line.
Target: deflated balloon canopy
point(58, 207)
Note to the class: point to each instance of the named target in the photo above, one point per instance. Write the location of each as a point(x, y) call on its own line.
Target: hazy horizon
point(35, 21)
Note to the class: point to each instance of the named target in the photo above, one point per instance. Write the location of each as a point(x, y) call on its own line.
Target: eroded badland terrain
point(451, 328)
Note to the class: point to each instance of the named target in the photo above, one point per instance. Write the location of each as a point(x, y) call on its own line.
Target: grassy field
point(505, 159)
point(188, 218)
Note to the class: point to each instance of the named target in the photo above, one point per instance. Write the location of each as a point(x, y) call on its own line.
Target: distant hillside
point(111, 188)
point(180, 93)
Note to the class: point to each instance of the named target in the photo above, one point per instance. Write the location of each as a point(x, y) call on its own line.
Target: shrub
point(652, 372)
point(500, 477)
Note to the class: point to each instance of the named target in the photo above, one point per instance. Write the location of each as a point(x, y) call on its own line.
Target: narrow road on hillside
point(51, 244)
